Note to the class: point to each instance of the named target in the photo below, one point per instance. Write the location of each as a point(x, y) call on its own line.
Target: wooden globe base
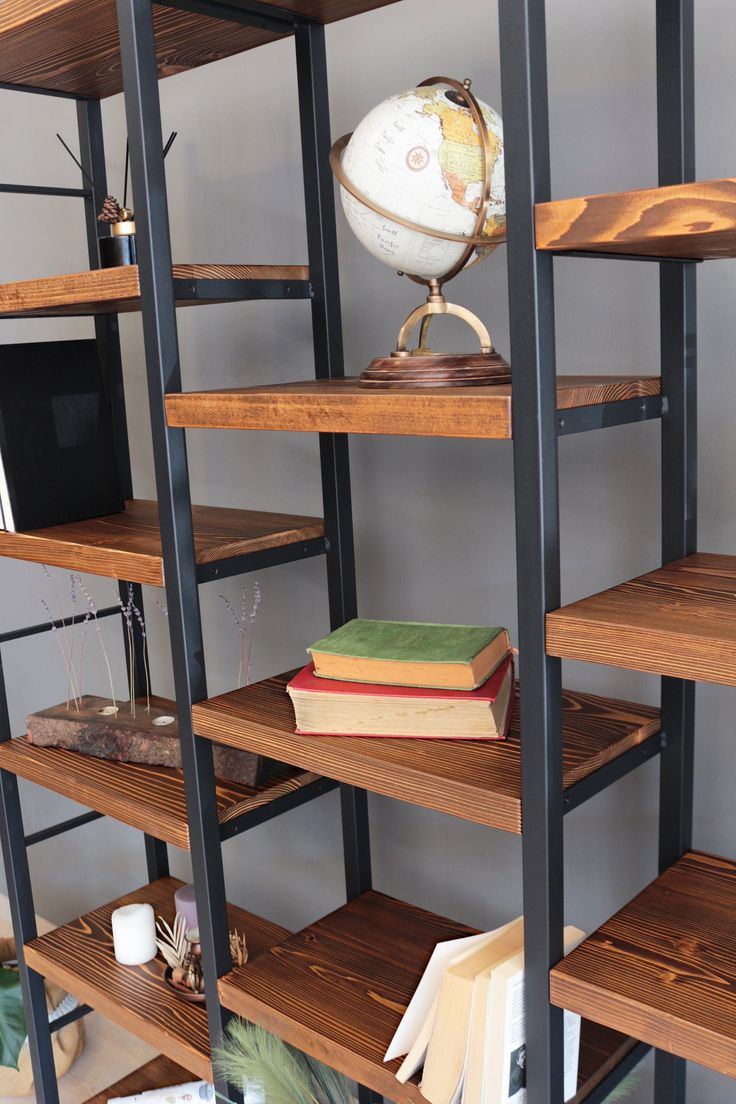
point(437, 370)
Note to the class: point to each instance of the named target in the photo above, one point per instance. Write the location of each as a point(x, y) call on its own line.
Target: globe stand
point(421, 367)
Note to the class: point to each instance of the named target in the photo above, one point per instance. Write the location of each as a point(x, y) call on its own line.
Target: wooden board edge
point(126, 1018)
point(376, 1076)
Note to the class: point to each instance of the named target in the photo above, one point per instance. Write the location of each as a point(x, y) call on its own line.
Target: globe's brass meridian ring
point(487, 241)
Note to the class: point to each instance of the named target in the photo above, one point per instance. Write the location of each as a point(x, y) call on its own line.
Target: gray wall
point(434, 519)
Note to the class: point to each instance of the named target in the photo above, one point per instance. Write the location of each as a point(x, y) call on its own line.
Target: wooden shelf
point(341, 406)
point(664, 968)
point(79, 956)
point(149, 798)
point(338, 989)
point(157, 1074)
point(128, 545)
point(690, 221)
point(118, 291)
point(40, 40)
point(679, 620)
point(470, 779)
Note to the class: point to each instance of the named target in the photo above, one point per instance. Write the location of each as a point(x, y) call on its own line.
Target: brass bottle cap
point(123, 229)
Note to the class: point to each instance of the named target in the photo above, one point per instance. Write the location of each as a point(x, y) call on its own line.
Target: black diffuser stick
point(170, 142)
point(81, 168)
point(127, 165)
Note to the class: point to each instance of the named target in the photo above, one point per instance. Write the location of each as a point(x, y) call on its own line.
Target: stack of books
point(407, 679)
point(464, 1027)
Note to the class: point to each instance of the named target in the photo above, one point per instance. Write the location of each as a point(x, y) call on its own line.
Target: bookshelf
point(337, 988)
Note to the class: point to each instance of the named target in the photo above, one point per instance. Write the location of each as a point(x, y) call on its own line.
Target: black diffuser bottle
point(120, 247)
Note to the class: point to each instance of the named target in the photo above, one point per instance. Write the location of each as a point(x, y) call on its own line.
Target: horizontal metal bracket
point(611, 772)
point(257, 561)
point(6, 87)
point(227, 290)
point(39, 190)
point(252, 13)
point(71, 1017)
point(594, 254)
point(63, 826)
point(47, 626)
point(582, 419)
point(275, 808)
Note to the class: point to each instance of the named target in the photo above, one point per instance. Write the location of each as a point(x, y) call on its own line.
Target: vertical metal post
point(135, 21)
point(107, 330)
point(526, 127)
point(107, 334)
point(678, 327)
point(20, 896)
point(319, 195)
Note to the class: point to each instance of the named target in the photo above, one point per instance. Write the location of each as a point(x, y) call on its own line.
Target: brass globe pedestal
point(421, 367)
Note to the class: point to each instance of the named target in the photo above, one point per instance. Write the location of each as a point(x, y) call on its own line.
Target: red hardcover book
point(331, 707)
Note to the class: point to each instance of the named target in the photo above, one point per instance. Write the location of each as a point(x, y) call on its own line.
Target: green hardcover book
point(411, 653)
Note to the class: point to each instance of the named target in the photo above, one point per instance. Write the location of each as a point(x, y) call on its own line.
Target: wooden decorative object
point(342, 406)
point(664, 967)
point(679, 620)
point(479, 781)
point(692, 221)
point(128, 545)
point(118, 291)
point(145, 737)
point(40, 40)
point(437, 370)
point(338, 989)
point(79, 956)
point(151, 799)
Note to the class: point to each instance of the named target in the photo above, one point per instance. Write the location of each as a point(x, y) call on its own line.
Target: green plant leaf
point(12, 1018)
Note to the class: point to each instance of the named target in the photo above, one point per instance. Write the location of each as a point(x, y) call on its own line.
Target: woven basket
point(68, 1043)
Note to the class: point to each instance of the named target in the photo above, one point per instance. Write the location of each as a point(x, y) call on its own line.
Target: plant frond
point(253, 1054)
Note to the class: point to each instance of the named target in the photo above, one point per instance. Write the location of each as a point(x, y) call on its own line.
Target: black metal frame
point(536, 428)
point(158, 298)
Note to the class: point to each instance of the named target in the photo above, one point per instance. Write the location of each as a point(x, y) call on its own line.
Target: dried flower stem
point(98, 628)
point(245, 625)
point(72, 688)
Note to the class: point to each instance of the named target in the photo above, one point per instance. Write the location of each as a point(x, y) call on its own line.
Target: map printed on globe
point(419, 156)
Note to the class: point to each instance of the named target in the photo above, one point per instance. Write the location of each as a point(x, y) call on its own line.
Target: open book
point(465, 1024)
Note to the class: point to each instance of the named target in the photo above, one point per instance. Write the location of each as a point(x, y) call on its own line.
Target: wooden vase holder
point(137, 738)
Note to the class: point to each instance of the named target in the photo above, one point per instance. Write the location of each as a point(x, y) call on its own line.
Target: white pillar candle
point(134, 934)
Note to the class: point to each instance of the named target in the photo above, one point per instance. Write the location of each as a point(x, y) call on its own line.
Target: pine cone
point(110, 210)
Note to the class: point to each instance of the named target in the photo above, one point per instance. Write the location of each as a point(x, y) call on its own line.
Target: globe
point(419, 158)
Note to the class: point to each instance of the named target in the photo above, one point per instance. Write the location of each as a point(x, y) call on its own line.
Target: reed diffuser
point(118, 247)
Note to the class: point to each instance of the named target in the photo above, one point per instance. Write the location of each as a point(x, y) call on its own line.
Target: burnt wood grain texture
point(694, 221)
point(338, 990)
point(72, 45)
point(664, 968)
point(79, 956)
point(151, 799)
point(475, 780)
point(679, 620)
point(343, 406)
point(156, 1074)
point(128, 545)
point(117, 290)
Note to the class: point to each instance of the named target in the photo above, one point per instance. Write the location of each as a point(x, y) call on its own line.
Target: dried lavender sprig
point(127, 612)
point(93, 611)
point(55, 634)
point(142, 624)
point(68, 641)
point(251, 632)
